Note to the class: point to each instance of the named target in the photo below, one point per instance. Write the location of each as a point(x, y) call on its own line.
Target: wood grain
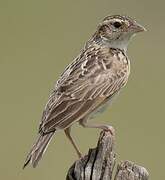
point(99, 164)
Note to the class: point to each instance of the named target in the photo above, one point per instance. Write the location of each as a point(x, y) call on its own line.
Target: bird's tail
point(38, 149)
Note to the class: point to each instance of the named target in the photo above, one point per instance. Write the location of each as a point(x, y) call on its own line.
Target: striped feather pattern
point(92, 78)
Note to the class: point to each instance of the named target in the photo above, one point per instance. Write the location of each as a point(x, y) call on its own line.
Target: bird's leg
point(85, 124)
point(67, 132)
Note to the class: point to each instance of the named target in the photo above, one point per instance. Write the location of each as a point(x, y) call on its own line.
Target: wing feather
point(86, 84)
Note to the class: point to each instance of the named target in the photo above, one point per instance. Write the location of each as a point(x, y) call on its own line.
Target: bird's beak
point(138, 28)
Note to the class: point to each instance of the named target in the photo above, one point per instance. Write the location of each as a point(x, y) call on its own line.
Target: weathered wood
point(130, 171)
point(99, 164)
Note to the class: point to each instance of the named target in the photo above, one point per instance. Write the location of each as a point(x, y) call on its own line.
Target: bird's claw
point(110, 129)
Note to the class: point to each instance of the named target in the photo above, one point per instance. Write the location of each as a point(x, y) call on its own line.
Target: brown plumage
point(88, 83)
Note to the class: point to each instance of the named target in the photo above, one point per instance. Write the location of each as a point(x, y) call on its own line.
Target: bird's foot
point(109, 129)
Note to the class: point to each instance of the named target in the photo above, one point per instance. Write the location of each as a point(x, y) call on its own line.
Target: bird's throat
point(118, 43)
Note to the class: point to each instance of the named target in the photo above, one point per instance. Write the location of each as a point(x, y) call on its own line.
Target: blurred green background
point(37, 40)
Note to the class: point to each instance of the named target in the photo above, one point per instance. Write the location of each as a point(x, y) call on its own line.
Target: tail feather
point(38, 149)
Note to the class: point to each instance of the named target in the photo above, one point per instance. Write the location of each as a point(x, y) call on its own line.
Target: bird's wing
point(84, 86)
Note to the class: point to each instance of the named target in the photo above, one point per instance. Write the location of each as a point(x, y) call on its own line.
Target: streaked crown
point(118, 23)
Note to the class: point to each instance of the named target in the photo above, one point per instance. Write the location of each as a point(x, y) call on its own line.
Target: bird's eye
point(117, 24)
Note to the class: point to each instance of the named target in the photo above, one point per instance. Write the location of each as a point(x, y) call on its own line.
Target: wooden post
point(99, 164)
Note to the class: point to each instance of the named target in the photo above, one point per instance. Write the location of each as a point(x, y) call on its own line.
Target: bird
point(88, 84)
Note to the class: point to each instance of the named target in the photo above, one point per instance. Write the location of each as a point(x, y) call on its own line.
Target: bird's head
point(117, 30)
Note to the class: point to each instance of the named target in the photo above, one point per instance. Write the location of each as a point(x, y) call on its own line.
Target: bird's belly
point(103, 107)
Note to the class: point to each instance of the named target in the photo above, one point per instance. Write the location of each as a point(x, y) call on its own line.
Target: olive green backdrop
point(37, 40)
